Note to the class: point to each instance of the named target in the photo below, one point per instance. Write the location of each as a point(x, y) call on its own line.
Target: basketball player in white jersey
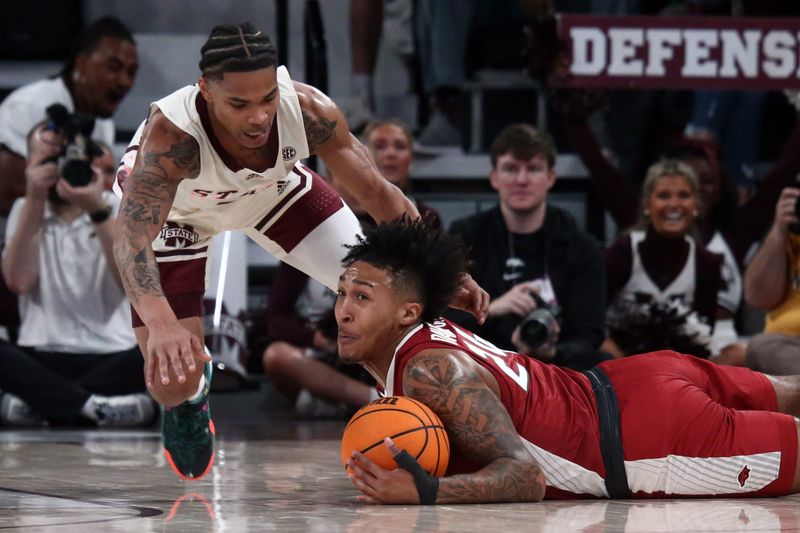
point(223, 155)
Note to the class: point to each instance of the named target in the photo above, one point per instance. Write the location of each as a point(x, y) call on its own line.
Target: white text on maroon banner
point(683, 52)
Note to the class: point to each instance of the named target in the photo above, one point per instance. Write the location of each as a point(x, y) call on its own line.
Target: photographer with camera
point(545, 276)
point(77, 360)
point(772, 283)
point(96, 76)
point(94, 79)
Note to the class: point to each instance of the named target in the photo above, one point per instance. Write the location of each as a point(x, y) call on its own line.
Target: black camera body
point(75, 160)
point(540, 326)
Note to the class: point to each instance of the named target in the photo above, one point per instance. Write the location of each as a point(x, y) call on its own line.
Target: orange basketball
point(412, 426)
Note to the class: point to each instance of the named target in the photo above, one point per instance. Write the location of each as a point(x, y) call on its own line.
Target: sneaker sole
point(207, 469)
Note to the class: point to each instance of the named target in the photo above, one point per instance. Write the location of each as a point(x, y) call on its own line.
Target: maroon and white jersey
point(225, 195)
point(553, 409)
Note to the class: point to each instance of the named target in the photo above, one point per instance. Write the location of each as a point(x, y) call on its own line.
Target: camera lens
point(536, 328)
point(77, 172)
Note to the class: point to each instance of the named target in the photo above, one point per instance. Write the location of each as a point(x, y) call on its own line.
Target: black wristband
point(427, 485)
point(98, 217)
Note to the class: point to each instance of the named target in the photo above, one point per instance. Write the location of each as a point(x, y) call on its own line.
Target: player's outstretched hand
point(472, 298)
point(172, 345)
point(380, 486)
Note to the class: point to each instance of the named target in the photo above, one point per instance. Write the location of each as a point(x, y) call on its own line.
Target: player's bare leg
point(319, 378)
point(787, 390)
point(796, 480)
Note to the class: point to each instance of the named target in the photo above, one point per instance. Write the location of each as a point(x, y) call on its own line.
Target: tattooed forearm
point(318, 131)
point(145, 273)
point(480, 427)
point(147, 197)
point(149, 194)
point(504, 480)
point(138, 270)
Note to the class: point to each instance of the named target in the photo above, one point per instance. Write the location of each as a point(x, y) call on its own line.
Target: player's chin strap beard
point(427, 485)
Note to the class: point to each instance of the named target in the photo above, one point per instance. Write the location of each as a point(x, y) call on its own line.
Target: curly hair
point(420, 259)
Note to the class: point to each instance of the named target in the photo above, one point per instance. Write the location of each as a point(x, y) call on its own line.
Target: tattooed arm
point(329, 137)
point(351, 163)
point(453, 386)
point(166, 156)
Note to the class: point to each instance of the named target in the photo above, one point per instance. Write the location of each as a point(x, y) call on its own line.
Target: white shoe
point(439, 132)
point(16, 412)
point(310, 406)
point(130, 410)
point(358, 114)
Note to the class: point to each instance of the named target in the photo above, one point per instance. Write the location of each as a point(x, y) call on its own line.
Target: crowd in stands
point(703, 241)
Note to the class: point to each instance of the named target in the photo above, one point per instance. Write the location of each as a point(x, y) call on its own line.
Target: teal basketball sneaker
point(188, 435)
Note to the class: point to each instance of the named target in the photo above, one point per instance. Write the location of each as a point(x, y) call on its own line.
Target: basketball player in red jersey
point(224, 154)
point(655, 425)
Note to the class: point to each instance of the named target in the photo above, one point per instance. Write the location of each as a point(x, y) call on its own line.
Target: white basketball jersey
point(730, 290)
point(208, 203)
point(640, 282)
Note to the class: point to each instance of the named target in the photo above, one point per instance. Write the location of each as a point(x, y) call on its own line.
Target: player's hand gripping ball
point(411, 425)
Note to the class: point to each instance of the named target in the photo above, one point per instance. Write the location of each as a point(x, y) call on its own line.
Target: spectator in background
point(524, 246)
point(663, 286)
point(772, 283)
point(738, 226)
point(444, 29)
point(390, 144)
point(366, 26)
point(733, 120)
point(77, 358)
point(367, 20)
point(724, 226)
point(97, 75)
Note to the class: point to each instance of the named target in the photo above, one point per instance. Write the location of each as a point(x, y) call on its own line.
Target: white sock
point(200, 386)
point(88, 410)
point(361, 84)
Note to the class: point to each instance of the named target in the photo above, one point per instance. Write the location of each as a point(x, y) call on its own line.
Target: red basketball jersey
point(553, 409)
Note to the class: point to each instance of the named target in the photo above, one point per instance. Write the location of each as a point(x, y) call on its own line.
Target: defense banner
point(682, 52)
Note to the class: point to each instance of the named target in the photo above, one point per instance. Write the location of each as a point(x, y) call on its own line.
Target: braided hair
point(425, 261)
point(236, 48)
